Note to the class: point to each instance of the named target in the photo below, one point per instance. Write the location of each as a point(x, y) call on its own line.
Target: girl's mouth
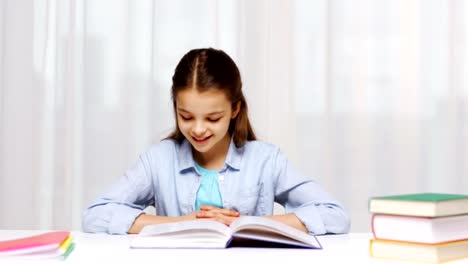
point(201, 141)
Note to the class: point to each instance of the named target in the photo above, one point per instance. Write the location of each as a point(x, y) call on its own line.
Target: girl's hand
point(223, 215)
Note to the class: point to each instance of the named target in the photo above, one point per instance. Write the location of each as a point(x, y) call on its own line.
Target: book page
point(260, 228)
point(202, 233)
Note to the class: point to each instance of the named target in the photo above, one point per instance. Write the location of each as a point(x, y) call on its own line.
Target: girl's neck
point(215, 157)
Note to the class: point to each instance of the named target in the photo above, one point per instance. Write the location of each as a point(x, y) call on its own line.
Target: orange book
point(428, 253)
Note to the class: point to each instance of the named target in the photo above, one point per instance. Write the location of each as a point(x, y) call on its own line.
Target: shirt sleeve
point(313, 206)
point(115, 211)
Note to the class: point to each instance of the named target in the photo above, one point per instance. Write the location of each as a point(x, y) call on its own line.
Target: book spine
point(372, 225)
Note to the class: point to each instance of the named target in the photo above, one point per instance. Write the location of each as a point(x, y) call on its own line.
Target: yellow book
point(65, 245)
point(428, 253)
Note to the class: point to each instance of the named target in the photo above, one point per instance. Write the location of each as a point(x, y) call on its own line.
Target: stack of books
point(57, 245)
point(423, 227)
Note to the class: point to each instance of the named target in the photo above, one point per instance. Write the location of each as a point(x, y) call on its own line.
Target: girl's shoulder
point(163, 147)
point(260, 144)
point(258, 147)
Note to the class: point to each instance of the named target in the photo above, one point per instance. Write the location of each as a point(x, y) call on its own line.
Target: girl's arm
point(225, 216)
point(290, 220)
point(145, 219)
point(115, 211)
point(306, 202)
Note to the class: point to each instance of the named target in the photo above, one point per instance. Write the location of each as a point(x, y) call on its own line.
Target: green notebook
point(420, 204)
point(69, 250)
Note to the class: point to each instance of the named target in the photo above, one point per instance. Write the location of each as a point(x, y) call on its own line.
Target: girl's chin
point(202, 149)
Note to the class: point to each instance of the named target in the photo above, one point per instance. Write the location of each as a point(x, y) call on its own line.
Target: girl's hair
point(205, 69)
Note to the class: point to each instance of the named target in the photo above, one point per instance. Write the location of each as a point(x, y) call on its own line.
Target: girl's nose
point(199, 129)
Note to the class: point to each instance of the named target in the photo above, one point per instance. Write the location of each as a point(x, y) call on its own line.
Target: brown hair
point(213, 69)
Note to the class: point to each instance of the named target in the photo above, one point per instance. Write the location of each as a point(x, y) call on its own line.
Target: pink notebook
point(46, 241)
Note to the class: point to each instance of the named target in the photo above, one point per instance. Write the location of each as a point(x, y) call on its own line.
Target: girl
point(211, 166)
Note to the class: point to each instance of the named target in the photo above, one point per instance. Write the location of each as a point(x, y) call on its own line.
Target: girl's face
point(204, 118)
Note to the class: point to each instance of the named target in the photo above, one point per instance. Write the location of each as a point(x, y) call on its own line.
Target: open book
point(204, 233)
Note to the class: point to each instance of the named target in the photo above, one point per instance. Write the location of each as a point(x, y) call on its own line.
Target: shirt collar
point(186, 161)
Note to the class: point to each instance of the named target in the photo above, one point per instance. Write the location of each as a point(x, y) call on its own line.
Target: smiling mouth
point(201, 141)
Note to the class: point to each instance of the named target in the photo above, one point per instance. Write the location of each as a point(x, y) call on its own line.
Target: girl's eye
point(185, 118)
point(213, 120)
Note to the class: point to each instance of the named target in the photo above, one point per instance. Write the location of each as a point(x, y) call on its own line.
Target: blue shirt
point(208, 192)
point(251, 179)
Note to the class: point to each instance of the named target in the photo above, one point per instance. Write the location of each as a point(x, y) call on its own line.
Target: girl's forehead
point(208, 101)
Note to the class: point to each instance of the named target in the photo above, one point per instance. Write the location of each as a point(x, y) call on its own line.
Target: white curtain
point(368, 97)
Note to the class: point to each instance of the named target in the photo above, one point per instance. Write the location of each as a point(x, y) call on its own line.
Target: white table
point(102, 248)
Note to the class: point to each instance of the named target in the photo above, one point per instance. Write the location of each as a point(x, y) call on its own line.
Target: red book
point(46, 241)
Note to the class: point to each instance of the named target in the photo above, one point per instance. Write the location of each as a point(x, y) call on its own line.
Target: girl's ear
point(236, 110)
